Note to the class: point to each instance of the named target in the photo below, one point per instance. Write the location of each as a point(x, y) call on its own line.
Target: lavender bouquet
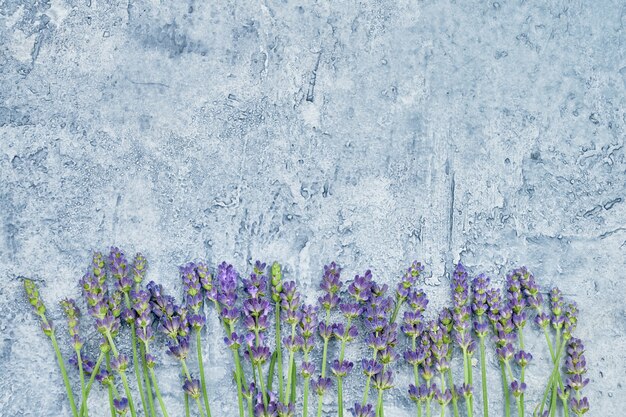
point(275, 339)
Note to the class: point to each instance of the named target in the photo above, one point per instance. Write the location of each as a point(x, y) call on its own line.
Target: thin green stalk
point(205, 395)
point(379, 403)
point(157, 392)
point(110, 386)
point(305, 403)
point(428, 407)
point(520, 407)
point(123, 376)
point(250, 406)
point(83, 398)
point(270, 372)
point(340, 396)
point(455, 405)
point(522, 375)
point(324, 355)
point(200, 408)
point(144, 369)
point(505, 391)
point(483, 373)
point(66, 380)
point(396, 309)
point(367, 385)
point(554, 394)
point(96, 369)
point(238, 377)
point(416, 376)
point(292, 399)
point(263, 392)
point(279, 349)
point(187, 412)
point(138, 374)
point(290, 375)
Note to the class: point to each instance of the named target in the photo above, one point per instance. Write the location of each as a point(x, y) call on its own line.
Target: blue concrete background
point(371, 133)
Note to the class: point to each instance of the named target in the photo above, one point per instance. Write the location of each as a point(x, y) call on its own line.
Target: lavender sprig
point(409, 279)
point(413, 328)
point(331, 284)
point(32, 292)
point(463, 336)
point(306, 330)
point(72, 313)
point(481, 328)
point(118, 265)
point(576, 367)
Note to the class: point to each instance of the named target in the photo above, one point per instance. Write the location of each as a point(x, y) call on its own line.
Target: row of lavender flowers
point(478, 311)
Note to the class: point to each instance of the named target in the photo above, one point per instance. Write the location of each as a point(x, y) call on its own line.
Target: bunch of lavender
point(408, 281)
point(382, 339)
point(461, 313)
point(290, 308)
point(331, 284)
point(413, 328)
point(576, 368)
point(192, 288)
point(481, 328)
point(306, 330)
point(345, 334)
point(256, 310)
point(276, 289)
point(106, 309)
point(32, 292)
point(118, 265)
point(224, 297)
point(144, 319)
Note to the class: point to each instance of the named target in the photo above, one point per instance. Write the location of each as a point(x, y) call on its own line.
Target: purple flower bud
point(196, 321)
point(518, 388)
point(179, 350)
point(150, 361)
point(523, 358)
point(418, 301)
point(505, 353)
point(360, 288)
point(320, 385)
point(259, 354)
point(443, 398)
point(362, 410)
point(415, 357)
point(419, 394)
point(331, 282)
point(326, 332)
point(120, 363)
point(308, 369)
point(466, 390)
point(383, 380)
point(234, 341)
point(192, 388)
point(579, 407)
point(121, 405)
point(371, 367)
point(341, 369)
point(140, 264)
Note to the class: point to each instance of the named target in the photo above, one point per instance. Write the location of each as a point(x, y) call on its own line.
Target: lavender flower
point(362, 410)
point(118, 266)
point(321, 385)
point(121, 405)
point(192, 388)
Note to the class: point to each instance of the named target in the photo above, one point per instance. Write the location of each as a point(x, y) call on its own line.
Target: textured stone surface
point(367, 132)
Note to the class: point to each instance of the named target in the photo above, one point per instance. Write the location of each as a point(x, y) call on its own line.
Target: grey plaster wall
point(371, 133)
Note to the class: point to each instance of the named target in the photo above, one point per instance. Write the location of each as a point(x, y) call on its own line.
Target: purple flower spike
point(341, 369)
point(362, 410)
point(331, 282)
point(179, 350)
point(121, 405)
point(120, 363)
point(419, 394)
point(371, 367)
point(192, 388)
point(523, 358)
point(286, 410)
point(259, 354)
point(443, 398)
point(518, 388)
point(321, 385)
point(118, 266)
point(383, 380)
point(360, 288)
point(308, 369)
point(579, 407)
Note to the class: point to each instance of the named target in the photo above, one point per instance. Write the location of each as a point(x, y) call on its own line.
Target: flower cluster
point(264, 315)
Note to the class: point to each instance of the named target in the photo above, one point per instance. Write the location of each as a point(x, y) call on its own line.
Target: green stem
point(522, 375)
point(138, 374)
point(279, 349)
point(144, 370)
point(110, 386)
point(96, 369)
point(340, 396)
point(205, 395)
point(455, 405)
point(305, 400)
point(83, 399)
point(187, 411)
point(238, 377)
point(520, 407)
point(158, 393)
point(262, 381)
point(66, 380)
point(250, 407)
point(428, 407)
point(289, 376)
point(379, 403)
point(483, 373)
point(554, 394)
point(505, 391)
point(416, 377)
point(200, 408)
point(396, 309)
point(123, 376)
